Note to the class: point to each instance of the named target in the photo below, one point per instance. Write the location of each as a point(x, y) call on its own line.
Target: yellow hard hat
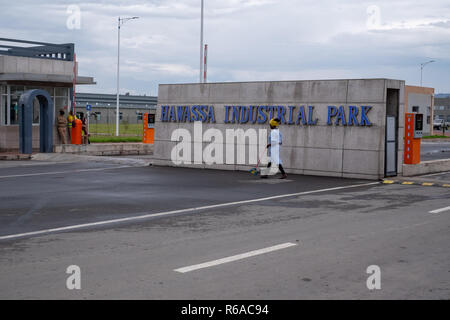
point(274, 123)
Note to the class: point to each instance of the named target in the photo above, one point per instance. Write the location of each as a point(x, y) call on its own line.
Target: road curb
point(64, 157)
point(416, 183)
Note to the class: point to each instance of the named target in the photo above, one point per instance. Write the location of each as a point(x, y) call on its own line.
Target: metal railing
point(41, 50)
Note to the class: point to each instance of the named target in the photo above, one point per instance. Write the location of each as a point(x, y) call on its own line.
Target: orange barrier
point(412, 145)
point(76, 132)
point(148, 133)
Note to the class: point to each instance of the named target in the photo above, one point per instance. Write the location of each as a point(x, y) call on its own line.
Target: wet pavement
point(434, 150)
point(335, 229)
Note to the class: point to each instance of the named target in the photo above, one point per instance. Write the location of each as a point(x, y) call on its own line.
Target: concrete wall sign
point(329, 127)
point(304, 115)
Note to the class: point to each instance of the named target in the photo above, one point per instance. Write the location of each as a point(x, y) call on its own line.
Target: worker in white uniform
point(274, 142)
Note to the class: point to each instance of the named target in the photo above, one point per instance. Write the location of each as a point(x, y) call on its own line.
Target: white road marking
point(61, 172)
point(152, 215)
point(235, 257)
point(435, 174)
point(440, 210)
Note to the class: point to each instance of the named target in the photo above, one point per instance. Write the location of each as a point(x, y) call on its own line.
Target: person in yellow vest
point(70, 123)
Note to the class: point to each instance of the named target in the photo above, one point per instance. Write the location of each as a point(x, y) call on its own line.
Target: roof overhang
point(53, 78)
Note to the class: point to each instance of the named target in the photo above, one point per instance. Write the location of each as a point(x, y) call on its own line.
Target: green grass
point(124, 129)
point(108, 139)
point(435, 137)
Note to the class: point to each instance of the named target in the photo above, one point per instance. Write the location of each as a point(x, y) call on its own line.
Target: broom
point(254, 171)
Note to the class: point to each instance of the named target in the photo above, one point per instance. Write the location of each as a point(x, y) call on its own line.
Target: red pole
point(74, 81)
point(205, 63)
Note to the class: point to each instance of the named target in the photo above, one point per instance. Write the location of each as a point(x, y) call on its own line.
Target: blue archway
point(26, 121)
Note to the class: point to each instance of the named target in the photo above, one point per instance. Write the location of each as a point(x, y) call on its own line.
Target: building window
point(15, 93)
point(448, 118)
point(3, 105)
point(415, 109)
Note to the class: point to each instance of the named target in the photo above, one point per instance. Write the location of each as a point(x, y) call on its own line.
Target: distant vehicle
point(439, 123)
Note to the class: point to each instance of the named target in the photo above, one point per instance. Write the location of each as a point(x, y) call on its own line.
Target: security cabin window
point(36, 110)
point(139, 116)
point(3, 105)
point(16, 92)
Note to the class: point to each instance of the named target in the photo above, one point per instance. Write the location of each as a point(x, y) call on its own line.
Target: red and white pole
point(74, 81)
point(205, 63)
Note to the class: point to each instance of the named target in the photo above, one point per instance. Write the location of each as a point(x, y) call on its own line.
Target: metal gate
point(391, 147)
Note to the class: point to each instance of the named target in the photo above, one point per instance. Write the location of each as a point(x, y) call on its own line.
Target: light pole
point(201, 43)
point(121, 21)
point(421, 69)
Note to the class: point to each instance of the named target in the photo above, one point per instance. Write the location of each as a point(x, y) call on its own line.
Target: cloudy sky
point(247, 39)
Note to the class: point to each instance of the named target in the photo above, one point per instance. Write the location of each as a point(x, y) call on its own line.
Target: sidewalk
point(17, 160)
point(138, 154)
point(14, 156)
point(66, 157)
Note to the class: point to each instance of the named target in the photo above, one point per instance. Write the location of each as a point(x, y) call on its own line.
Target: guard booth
point(148, 134)
point(413, 137)
point(391, 133)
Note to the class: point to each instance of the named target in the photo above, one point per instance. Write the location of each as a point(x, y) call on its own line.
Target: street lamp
point(121, 21)
point(421, 69)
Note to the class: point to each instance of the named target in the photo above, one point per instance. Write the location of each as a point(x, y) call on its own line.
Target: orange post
point(412, 145)
point(148, 133)
point(76, 132)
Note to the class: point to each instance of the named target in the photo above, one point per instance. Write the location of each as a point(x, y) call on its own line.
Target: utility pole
point(121, 21)
point(421, 69)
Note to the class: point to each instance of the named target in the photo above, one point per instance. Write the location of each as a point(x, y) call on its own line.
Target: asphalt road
point(328, 232)
point(434, 150)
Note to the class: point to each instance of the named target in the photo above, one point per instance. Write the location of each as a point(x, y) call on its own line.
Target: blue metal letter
point(281, 110)
point(310, 113)
point(291, 112)
point(364, 120)
point(164, 110)
point(236, 112)
point(331, 113)
point(244, 114)
point(352, 118)
point(227, 111)
point(263, 117)
point(341, 116)
point(301, 114)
